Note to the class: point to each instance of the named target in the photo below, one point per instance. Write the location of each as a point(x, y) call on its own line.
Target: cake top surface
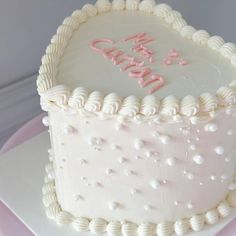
point(131, 48)
point(186, 67)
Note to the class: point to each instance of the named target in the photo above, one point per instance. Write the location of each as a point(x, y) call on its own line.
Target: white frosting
point(118, 5)
point(164, 229)
point(147, 5)
point(97, 226)
point(161, 10)
point(112, 103)
point(103, 5)
point(78, 98)
point(81, 224)
point(132, 4)
point(215, 42)
point(171, 161)
point(53, 210)
point(197, 222)
point(201, 37)
point(94, 102)
point(227, 95)
point(212, 217)
point(172, 16)
point(80, 16)
point(198, 159)
point(208, 102)
point(228, 49)
point(113, 228)
point(232, 199)
point(146, 229)
point(130, 106)
point(150, 105)
point(129, 229)
point(71, 22)
point(64, 218)
point(181, 227)
point(233, 60)
point(90, 10)
point(170, 105)
point(189, 106)
point(187, 32)
point(179, 24)
point(211, 127)
point(224, 209)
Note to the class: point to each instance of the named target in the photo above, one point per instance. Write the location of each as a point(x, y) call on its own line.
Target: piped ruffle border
point(114, 228)
point(60, 97)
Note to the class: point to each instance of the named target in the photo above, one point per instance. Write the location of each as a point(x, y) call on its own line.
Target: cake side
point(148, 171)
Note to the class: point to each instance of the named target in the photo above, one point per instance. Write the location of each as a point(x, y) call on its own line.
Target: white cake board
point(22, 172)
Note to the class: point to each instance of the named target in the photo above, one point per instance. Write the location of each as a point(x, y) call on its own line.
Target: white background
point(26, 27)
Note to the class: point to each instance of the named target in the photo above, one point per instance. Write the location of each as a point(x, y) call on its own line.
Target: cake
point(142, 121)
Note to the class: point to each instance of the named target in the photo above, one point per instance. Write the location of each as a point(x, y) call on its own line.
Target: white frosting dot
point(129, 172)
point(51, 174)
point(230, 132)
point(232, 186)
point(155, 184)
point(119, 127)
point(45, 121)
point(68, 129)
point(109, 171)
point(83, 161)
point(224, 177)
point(190, 176)
point(97, 184)
point(147, 207)
point(113, 205)
point(150, 153)
point(219, 150)
point(211, 127)
point(99, 141)
point(227, 159)
point(213, 177)
point(165, 139)
point(176, 203)
point(122, 160)
point(95, 141)
point(138, 144)
point(155, 134)
point(91, 141)
point(190, 205)
point(134, 191)
point(83, 178)
point(192, 147)
point(198, 159)
point(79, 197)
point(114, 147)
point(171, 161)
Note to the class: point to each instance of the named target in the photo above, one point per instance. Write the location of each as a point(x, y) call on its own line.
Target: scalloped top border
point(60, 97)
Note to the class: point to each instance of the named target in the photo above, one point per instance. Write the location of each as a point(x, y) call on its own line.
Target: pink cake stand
point(10, 225)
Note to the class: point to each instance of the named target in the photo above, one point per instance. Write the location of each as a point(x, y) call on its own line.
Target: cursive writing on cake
point(136, 67)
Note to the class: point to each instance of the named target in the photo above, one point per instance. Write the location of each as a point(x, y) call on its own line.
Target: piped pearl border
point(127, 228)
point(57, 97)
